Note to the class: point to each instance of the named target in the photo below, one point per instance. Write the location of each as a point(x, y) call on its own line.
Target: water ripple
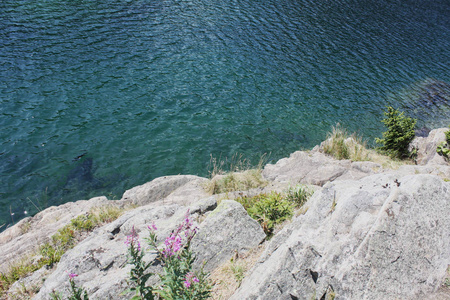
point(144, 89)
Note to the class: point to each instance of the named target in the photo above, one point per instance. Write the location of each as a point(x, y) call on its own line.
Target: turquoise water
point(99, 96)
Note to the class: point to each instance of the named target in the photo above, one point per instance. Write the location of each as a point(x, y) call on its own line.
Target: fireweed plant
point(77, 293)
point(178, 280)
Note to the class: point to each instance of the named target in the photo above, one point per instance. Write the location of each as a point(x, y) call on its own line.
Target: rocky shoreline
point(368, 232)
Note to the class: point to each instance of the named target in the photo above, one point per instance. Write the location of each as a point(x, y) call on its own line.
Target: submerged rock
point(434, 92)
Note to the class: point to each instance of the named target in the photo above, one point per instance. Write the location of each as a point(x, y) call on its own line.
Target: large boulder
point(26, 236)
point(316, 168)
point(162, 187)
point(426, 147)
point(380, 237)
point(100, 260)
point(227, 231)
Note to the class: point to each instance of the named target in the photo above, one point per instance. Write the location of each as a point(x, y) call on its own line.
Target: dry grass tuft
point(342, 145)
point(228, 277)
point(240, 177)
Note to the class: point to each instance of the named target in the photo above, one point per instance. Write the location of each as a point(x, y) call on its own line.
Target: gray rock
point(316, 168)
point(189, 193)
point(32, 284)
point(442, 171)
point(160, 188)
point(426, 147)
point(26, 236)
point(101, 259)
point(381, 237)
point(227, 231)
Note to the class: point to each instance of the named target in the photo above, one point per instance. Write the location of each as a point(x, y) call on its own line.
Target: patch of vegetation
point(238, 270)
point(336, 145)
point(268, 209)
point(66, 238)
point(298, 195)
point(444, 147)
point(19, 269)
point(25, 227)
point(24, 293)
point(179, 280)
point(447, 278)
point(240, 177)
point(275, 208)
point(236, 182)
point(341, 145)
point(228, 277)
point(399, 134)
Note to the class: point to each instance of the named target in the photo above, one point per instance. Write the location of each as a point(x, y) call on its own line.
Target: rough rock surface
point(317, 168)
point(426, 147)
point(159, 188)
point(101, 259)
point(29, 233)
point(227, 231)
point(368, 233)
point(381, 237)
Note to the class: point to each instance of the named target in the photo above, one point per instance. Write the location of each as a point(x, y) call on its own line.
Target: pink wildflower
point(133, 240)
point(190, 279)
point(152, 227)
point(179, 238)
point(187, 284)
point(72, 275)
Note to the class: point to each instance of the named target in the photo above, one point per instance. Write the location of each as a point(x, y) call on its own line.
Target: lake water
point(99, 96)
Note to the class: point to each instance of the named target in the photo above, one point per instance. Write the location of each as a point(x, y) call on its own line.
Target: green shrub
point(268, 209)
point(444, 147)
point(400, 132)
point(298, 195)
